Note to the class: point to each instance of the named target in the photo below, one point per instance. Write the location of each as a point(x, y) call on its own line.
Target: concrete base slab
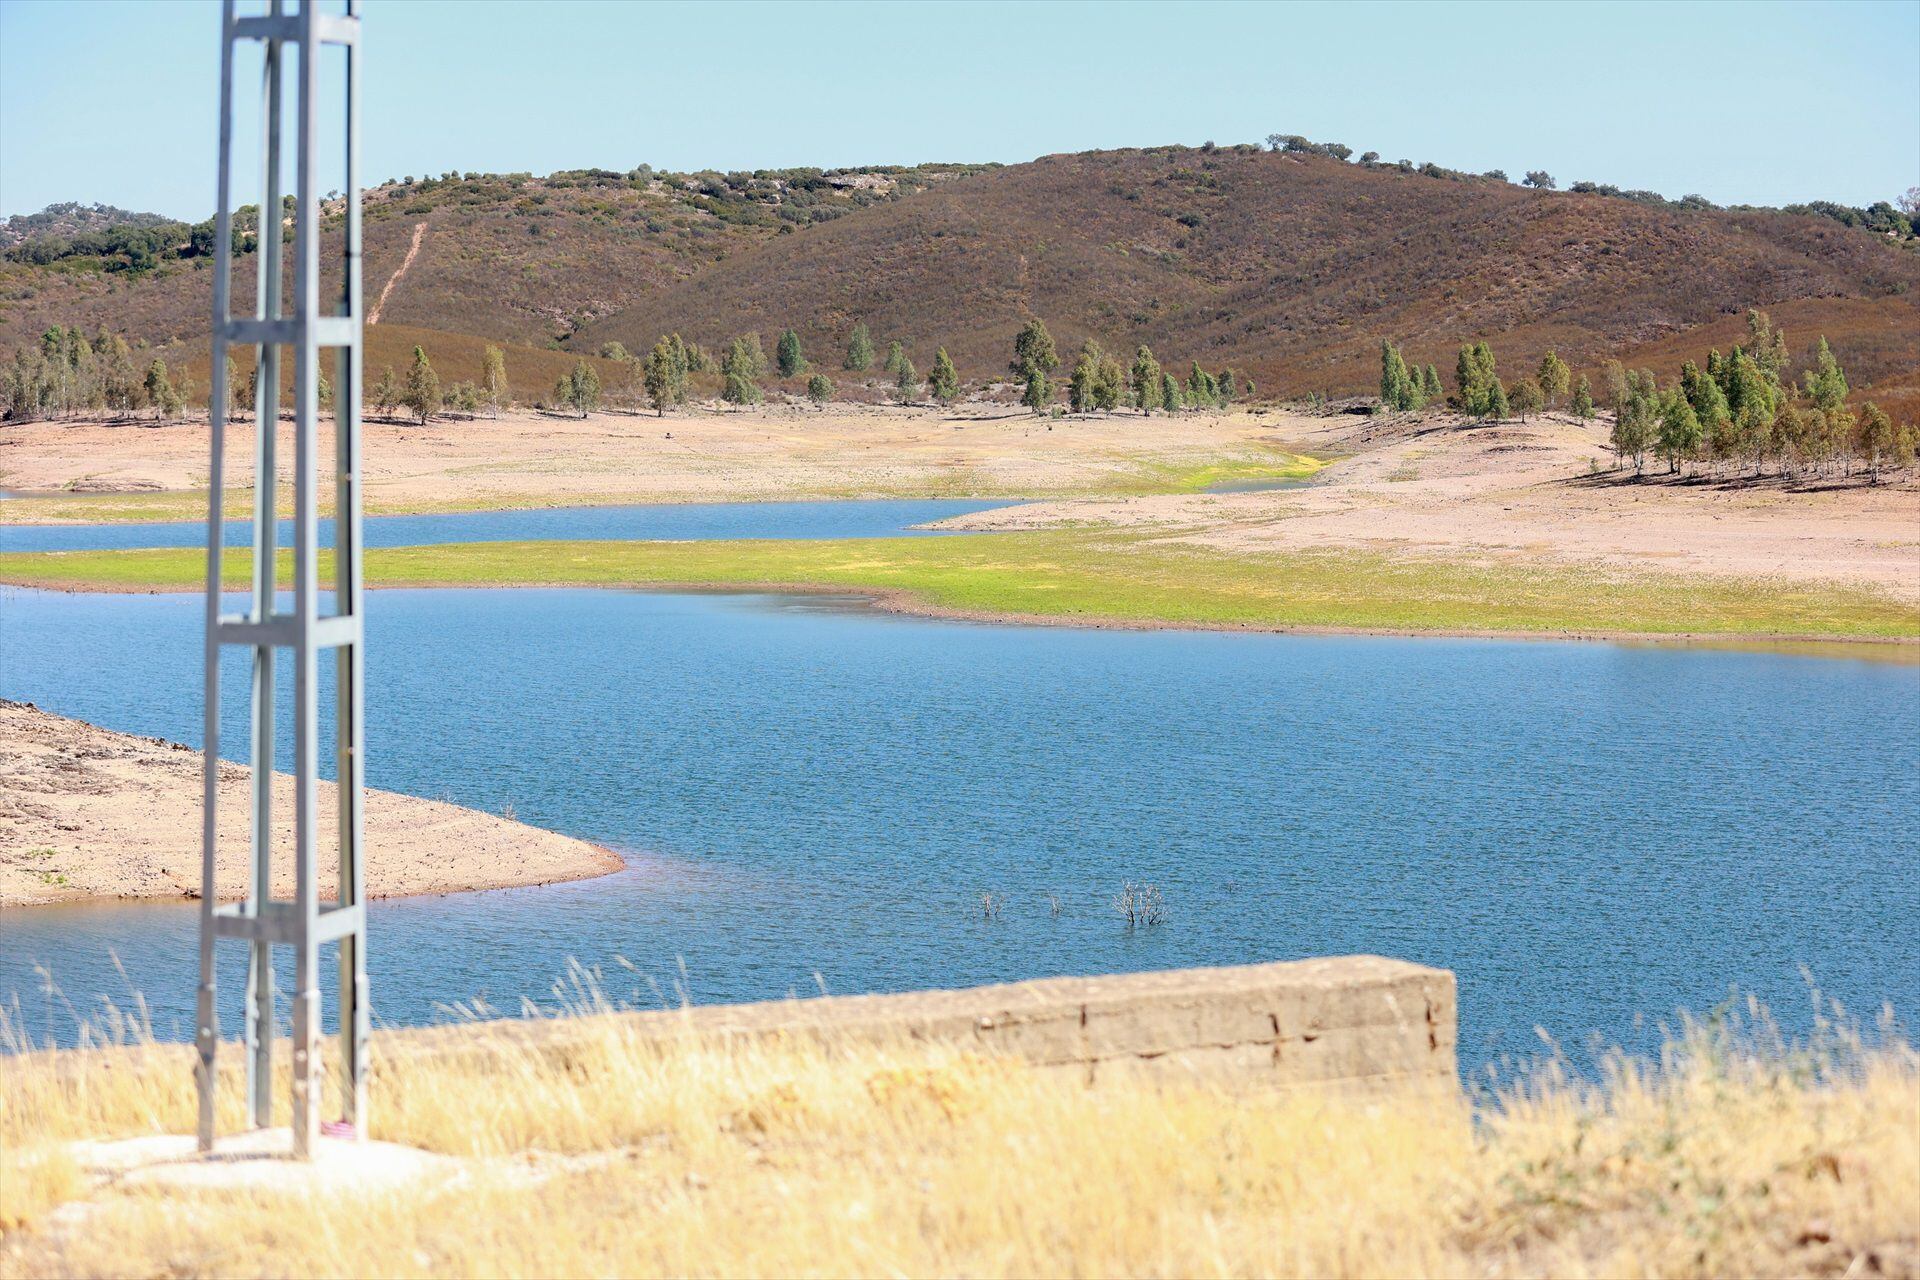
point(260, 1160)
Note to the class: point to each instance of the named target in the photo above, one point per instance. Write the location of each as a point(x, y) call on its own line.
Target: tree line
point(140, 245)
point(1097, 382)
point(67, 372)
point(1898, 219)
point(1743, 409)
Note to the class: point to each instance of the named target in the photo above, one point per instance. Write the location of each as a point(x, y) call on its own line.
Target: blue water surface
point(814, 795)
point(877, 518)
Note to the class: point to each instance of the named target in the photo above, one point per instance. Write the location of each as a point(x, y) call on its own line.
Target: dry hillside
point(1291, 266)
point(510, 257)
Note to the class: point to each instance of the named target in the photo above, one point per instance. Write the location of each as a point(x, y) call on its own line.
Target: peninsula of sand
point(87, 813)
point(1316, 518)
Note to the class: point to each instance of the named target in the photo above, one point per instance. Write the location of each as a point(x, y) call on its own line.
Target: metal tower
point(292, 41)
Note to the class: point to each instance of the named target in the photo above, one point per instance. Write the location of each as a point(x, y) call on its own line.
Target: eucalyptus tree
point(740, 372)
point(579, 387)
point(943, 384)
point(661, 377)
point(1526, 398)
point(1109, 384)
point(1034, 360)
point(1169, 392)
point(859, 357)
point(1086, 371)
point(788, 357)
point(1144, 378)
point(1879, 440)
point(422, 391)
point(1582, 403)
point(1679, 434)
point(1554, 378)
point(493, 379)
point(1397, 388)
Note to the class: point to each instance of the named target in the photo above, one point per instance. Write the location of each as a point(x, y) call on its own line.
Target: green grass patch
point(1284, 466)
point(1097, 576)
point(158, 506)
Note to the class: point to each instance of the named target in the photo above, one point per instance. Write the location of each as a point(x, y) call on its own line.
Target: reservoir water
point(814, 794)
point(665, 521)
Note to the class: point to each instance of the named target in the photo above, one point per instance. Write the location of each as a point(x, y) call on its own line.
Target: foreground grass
point(626, 1155)
point(1081, 576)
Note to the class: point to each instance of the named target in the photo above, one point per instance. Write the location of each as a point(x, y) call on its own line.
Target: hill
point(505, 256)
point(1290, 266)
point(71, 218)
point(1287, 264)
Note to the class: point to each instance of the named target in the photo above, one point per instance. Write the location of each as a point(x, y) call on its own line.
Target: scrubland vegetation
point(1735, 1153)
point(77, 237)
point(1166, 247)
point(1882, 216)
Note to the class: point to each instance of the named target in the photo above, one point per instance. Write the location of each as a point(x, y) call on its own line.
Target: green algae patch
point(1291, 466)
point(1078, 576)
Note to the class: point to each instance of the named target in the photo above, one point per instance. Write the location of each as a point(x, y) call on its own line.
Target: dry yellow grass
point(623, 1156)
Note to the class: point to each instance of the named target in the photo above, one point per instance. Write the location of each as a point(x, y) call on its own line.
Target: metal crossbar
point(291, 42)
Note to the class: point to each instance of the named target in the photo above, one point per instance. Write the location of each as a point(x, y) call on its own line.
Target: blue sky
point(114, 101)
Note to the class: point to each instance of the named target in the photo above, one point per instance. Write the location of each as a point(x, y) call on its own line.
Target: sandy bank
point(1430, 485)
point(1525, 493)
point(772, 453)
point(89, 813)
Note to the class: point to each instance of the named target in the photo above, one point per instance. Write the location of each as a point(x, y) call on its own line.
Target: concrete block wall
point(1356, 1022)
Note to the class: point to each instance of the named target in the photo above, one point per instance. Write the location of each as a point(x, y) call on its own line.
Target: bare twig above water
point(1141, 904)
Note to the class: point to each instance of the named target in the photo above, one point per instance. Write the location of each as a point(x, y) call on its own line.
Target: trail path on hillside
point(413, 251)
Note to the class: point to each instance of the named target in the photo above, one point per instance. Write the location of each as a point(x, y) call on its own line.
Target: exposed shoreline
point(508, 507)
point(906, 602)
point(89, 814)
point(1440, 527)
point(87, 471)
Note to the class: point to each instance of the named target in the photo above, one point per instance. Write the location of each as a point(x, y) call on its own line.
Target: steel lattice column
point(291, 42)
